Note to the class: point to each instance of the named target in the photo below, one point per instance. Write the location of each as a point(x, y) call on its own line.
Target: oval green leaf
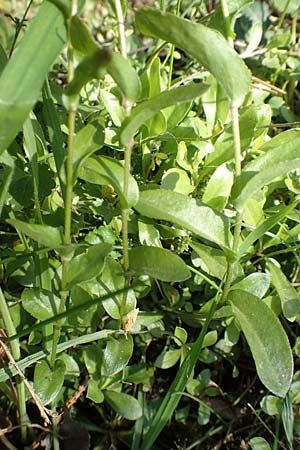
point(125, 77)
point(290, 301)
point(207, 46)
point(48, 382)
point(267, 340)
point(40, 303)
point(125, 405)
point(87, 265)
point(280, 155)
point(116, 354)
point(105, 170)
point(187, 212)
point(147, 109)
point(158, 263)
point(88, 139)
point(43, 234)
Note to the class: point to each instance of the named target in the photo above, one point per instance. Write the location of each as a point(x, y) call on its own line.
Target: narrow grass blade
point(173, 395)
point(264, 227)
point(24, 74)
point(10, 371)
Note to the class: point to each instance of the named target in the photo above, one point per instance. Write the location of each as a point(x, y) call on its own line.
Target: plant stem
point(226, 16)
point(172, 50)
point(15, 349)
point(19, 27)
point(69, 189)
point(121, 27)
point(239, 216)
point(127, 156)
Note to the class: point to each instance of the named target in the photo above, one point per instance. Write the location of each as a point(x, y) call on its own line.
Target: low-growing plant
point(150, 222)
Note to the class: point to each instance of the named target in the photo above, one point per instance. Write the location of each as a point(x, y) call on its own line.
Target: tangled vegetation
point(149, 199)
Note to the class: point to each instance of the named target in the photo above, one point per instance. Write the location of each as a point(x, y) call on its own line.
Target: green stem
point(178, 4)
point(226, 16)
point(280, 22)
point(127, 156)
point(15, 350)
point(19, 27)
point(121, 28)
point(69, 190)
point(239, 216)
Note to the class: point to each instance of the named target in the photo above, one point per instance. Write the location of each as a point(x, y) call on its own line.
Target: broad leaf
point(113, 279)
point(90, 67)
point(214, 261)
point(267, 340)
point(20, 87)
point(87, 265)
point(48, 382)
point(218, 188)
point(116, 354)
point(147, 109)
point(158, 263)
point(290, 301)
point(279, 156)
point(207, 46)
point(88, 139)
point(256, 284)
point(43, 234)
point(224, 145)
point(187, 212)
point(105, 170)
point(40, 303)
point(125, 77)
point(125, 405)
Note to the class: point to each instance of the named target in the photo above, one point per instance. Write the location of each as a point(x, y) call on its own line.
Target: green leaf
point(116, 354)
point(40, 303)
point(87, 265)
point(267, 340)
point(256, 284)
point(19, 88)
point(224, 145)
point(273, 163)
point(125, 405)
point(8, 164)
point(177, 180)
point(94, 391)
point(147, 109)
point(267, 225)
point(213, 261)
point(105, 170)
point(88, 139)
point(271, 405)
point(90, 67)
point(81, 38)
point(187, 212)
point(43, 234)
point(207, 46)
point(48, 382)
point(158, 263)
point(259, 443)
point(167, 359)
point(112, 279)
point(218, 188)
point(125, 77)
point(290, 301)
point(287, 417)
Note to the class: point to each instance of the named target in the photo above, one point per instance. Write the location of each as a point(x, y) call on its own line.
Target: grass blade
point(24, 74)
point(174, 394)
